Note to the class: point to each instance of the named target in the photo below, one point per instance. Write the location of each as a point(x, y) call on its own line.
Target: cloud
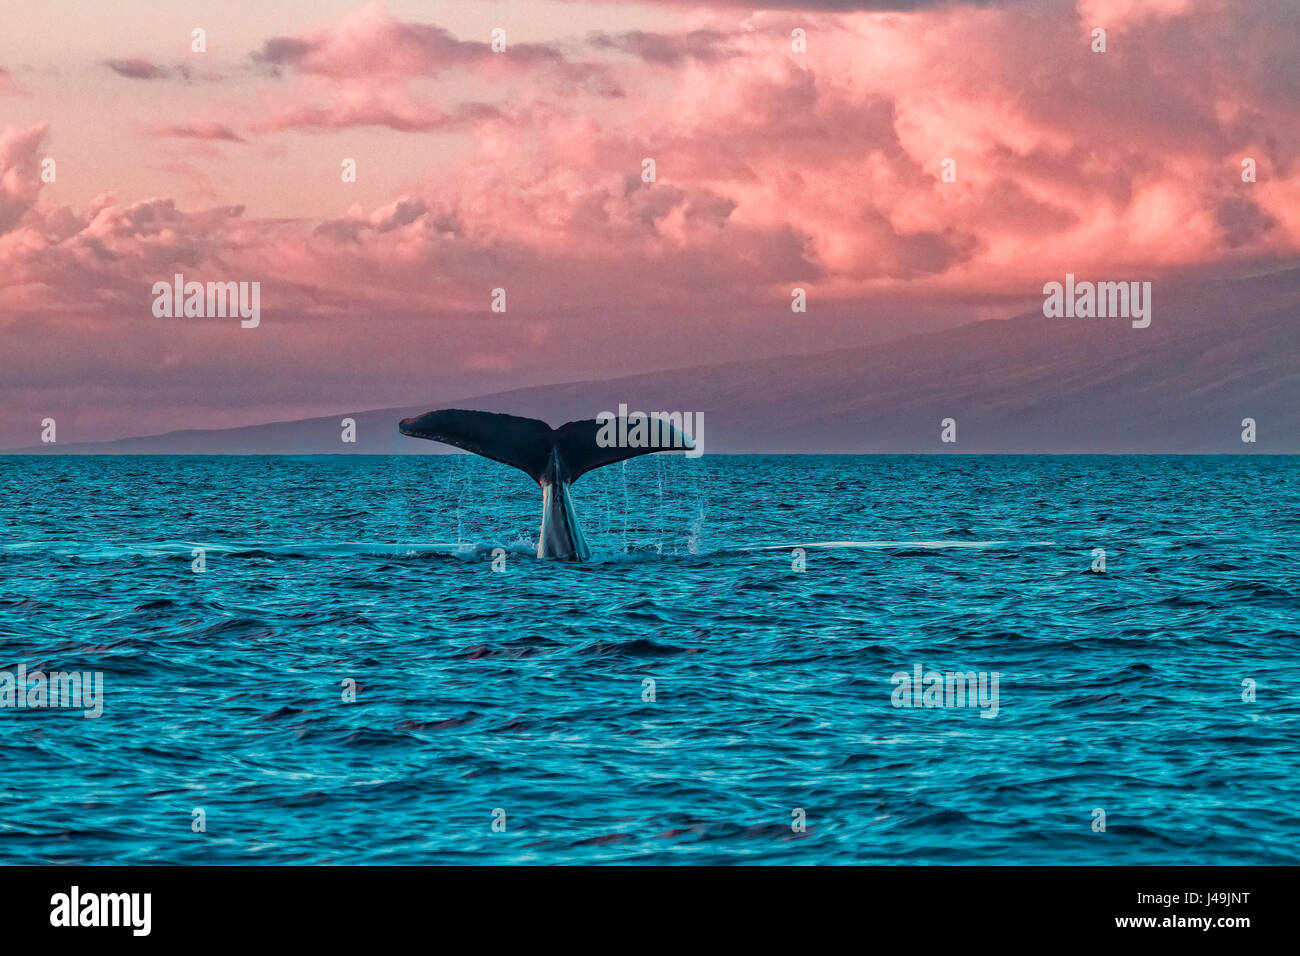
point(360, 71)
point(138, 69)
point(20, 181)
point(665, 48)
point(823, 166)
point(371, 44)
point(393, 108)
point(197, 129)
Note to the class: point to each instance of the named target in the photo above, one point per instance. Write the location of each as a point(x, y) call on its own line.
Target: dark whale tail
point(553, 457)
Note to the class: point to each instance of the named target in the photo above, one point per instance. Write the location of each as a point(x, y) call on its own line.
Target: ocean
point(354, 660)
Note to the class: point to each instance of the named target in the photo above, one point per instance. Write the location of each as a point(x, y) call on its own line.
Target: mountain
point(1214, 354)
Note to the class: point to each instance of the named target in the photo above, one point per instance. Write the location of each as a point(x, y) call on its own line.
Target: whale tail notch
point(553, 457)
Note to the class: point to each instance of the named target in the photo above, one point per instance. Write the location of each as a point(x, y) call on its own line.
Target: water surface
point(525, 691)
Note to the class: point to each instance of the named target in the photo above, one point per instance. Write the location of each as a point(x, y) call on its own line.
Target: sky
point(801, 147)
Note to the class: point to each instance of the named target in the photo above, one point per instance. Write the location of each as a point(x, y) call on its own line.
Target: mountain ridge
point(1027, 384)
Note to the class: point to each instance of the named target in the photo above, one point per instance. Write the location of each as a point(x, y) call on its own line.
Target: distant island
point(1030, 384)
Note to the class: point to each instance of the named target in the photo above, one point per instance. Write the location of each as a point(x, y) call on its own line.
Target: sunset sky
point(775, 169)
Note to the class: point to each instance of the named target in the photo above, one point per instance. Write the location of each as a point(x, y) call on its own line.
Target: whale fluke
point(524, 443)
point(553, 457)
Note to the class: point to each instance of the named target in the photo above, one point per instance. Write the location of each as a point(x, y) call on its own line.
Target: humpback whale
point(553, 457)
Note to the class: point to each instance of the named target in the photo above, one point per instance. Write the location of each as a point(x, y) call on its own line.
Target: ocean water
point(685, 697)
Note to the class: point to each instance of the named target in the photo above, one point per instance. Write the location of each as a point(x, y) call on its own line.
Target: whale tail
point(553, 457)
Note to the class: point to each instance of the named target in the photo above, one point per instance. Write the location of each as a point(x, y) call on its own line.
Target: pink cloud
point(198, 129)
point(664, 48)
point(138, 69)
point(20, 180)
point(821, 167)
point(392, 107)
point(370, 44)
point(359, 72)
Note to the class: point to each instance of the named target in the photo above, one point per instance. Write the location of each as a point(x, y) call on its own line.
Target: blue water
point(521, 691)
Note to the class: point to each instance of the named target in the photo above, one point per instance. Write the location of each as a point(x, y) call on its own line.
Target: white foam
point(890, 544)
